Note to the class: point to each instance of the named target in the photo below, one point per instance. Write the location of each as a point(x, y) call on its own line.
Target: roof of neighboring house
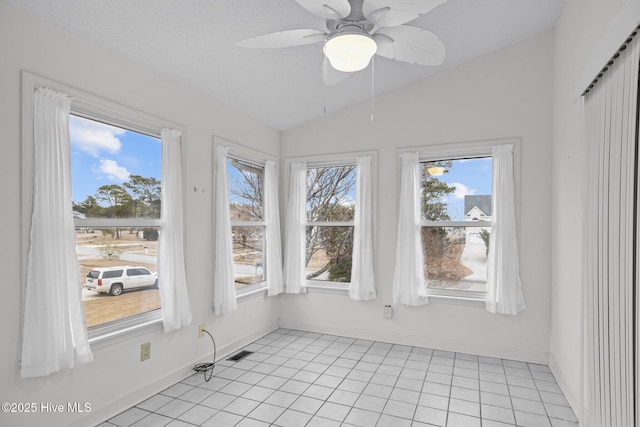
point(482, 202)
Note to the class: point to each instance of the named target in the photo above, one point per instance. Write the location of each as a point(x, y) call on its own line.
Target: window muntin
point(331, 193)
point(116, 194)
point(246, 212)
point(456, 224)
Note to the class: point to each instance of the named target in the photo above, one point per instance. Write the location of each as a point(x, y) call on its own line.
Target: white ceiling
point(192, 42)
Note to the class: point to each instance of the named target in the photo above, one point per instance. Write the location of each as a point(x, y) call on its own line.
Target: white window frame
point(243, 153)
point(458, 151)
point(96, 108)
point(331, 160)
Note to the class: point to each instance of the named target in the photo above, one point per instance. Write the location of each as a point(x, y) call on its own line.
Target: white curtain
point(54, 334)
point(275, 284)
point(172, 279)
point(224, 294)
point(408, 280)
point(504, 290)
point(609, 256)
point(294, 260)
point(362, 286)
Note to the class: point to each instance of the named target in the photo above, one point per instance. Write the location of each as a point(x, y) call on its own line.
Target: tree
point(442, 246)
point(246, 185)
point(328, 191)
point(246, 188)
point(90, 207)
point(338, 245)
point(119, 201)
point(148, 193)
point(484, 235)
point(434, 191)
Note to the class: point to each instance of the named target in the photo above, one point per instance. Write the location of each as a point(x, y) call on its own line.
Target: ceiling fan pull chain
point(373, 62)
point(324, 84)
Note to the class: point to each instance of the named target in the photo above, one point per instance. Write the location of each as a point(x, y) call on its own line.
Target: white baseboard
point(569, 392)
point(145, 391)
point(421, 341)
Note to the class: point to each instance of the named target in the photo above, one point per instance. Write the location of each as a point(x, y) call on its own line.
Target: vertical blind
point(610, 135)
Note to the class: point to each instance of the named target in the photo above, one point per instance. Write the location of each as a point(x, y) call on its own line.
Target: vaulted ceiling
point(193, 42)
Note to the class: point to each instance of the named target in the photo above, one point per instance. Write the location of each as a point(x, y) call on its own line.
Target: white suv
point(116, 279)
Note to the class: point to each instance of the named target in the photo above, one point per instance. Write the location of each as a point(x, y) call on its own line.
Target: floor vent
point(240, 355)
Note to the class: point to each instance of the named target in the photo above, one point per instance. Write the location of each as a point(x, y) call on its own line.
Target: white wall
point(578, 33)
point(27, 43)
point(522, 91)
point(505, 94)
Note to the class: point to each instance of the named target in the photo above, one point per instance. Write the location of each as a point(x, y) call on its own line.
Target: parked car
point(114, 280)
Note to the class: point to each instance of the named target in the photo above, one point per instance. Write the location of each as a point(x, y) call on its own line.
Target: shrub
point(150, 234)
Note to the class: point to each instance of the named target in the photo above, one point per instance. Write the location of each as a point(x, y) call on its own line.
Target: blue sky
point(103, 154)
point(469, 177)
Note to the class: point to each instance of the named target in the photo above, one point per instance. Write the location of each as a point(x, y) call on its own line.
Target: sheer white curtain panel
point(408, 280)
point(54, 335)
point(362, 287)
point(172, 278)
point(224, 294)
point(294, 261)
point(504, 289)
point(275, 284)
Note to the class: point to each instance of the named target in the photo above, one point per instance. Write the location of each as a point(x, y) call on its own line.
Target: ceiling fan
point(358, 29)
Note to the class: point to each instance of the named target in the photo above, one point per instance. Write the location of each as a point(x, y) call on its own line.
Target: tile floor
point(296, 378)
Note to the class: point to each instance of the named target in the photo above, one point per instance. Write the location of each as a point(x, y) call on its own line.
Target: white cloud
point(112, 170)
point(462, 190)
point(94, 138)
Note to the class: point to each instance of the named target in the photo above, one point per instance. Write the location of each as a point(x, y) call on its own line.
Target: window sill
point(330, 288)
point(248, 294)
point(458, 300)
point(104, 336)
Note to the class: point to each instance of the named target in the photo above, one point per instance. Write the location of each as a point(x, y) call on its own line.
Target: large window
point(246, 212)
point(331, 195)
point(116, 178)
point(116, 175)
point(456, 224)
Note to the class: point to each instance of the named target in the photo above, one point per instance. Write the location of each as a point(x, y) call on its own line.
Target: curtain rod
point(612, 60)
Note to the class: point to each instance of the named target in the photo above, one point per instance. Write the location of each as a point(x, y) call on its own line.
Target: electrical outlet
point(201, 330)
point(145, 351)
point(388, 312)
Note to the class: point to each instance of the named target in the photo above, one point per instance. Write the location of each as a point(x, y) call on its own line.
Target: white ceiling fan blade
point(410, 44)
point(390, 13)
point(328, 9)
point(330, 75)
point(284, 39)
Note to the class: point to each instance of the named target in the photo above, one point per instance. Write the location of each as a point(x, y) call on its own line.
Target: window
point(331, 194)
point(246, 192)
point(456, 201)
point(116, 193)
point(109, 274)
point(116, 176)
point(456, 223)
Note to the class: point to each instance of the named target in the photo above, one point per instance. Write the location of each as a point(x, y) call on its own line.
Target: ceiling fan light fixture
point(349, 52)
point(436, 170)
